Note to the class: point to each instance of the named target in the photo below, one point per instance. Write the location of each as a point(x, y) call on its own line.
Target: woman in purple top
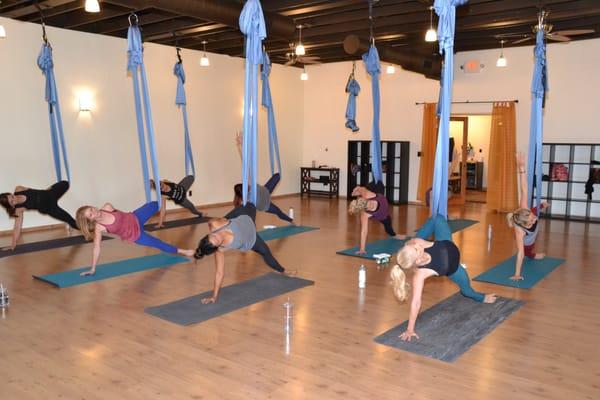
point(129, 226)
point(371, 203)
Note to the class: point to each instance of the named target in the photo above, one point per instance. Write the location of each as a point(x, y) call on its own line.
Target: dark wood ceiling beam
point(19, 12)
point(216, 37)
point(121, 24)
point(57, 10)
point(193, 30)
point(79, 18)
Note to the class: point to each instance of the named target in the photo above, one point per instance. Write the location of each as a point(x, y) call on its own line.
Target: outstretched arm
point(16, 234)
point(95, 252)
point(523, 203)
point(162, 212)
point(219, 274)
point(520, 255)
point(364, 230)
point(108, 207)
point(418, 282)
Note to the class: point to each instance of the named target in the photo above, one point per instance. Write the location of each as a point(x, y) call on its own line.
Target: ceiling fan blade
point(522, 40)
point(311, 62)
point(290, 62)
point(558, 38)
point(308, 58)
point(574, 32)
point(511, 35)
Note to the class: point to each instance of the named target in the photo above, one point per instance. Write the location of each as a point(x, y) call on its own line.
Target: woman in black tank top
point(44, 201)
point(177, 192)
point(427, 259)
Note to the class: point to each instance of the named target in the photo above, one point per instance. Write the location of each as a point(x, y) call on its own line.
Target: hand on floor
point(540, 256)
point(209, 300)
point(88, 272)
point(407, 335)
point(359, 252)
point(8, 248)
point(516, 278)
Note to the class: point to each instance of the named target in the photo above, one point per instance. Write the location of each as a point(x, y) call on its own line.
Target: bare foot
point(400, 237)
point(540, 256)
point(490, 298)
point(290, 272)
point(186, 252)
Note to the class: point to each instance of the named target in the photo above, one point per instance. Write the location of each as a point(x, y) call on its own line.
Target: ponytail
point(399, 284)
point(510, 218)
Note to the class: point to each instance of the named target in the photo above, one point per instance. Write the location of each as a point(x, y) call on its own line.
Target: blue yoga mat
point(284, 231)
point(110, 270)
point(392, 245)
point(533, 271)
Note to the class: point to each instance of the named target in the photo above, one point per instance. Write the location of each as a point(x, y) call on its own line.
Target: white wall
point(102, 145)
point(570, 115)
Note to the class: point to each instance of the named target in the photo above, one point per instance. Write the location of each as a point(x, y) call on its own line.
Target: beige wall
point(102, 145)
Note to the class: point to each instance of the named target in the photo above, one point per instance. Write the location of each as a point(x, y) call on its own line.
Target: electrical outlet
point(190, 194)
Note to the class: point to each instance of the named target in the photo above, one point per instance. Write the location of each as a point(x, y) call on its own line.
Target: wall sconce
point(2, 32)
point(85, 102)
point(92, 6)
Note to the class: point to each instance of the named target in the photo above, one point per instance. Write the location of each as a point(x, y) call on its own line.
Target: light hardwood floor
point(95, 341)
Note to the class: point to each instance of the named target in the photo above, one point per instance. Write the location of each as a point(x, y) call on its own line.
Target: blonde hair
point(405, 261)
point(357, 205)
point(86, 226)
point(519, 217)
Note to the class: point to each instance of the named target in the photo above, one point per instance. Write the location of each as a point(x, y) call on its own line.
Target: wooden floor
point(95, 342)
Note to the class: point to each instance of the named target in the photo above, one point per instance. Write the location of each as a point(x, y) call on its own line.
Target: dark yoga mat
point(284, 231)
point(176, 223)
point(450, 328)
point(46, 245)
point(110, 270)
point(532, 271)
point(190, 310)
point(392, 245)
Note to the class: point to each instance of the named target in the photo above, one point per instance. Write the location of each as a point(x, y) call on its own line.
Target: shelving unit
point(327, 181)
point(395, 159)
point(475, 175)
point(567, 198)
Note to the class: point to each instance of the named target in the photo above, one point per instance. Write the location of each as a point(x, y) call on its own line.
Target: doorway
point(469, 162)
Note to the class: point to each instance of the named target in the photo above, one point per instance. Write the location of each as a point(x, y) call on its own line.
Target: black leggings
point(376, 187)
point(387, 224)
point(185, 203)
point(259, 246)
point(52, 208)
point(273, 209)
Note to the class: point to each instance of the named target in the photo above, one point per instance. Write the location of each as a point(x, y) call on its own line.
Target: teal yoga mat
point(392, 245)
point(284, 231)
point(532, 271)
point(109, 270)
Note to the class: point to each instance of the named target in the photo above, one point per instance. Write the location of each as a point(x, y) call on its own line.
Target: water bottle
point(288, 315)
point(362, 277)
point(291, 213)
point(4, 300)
point(489, 233)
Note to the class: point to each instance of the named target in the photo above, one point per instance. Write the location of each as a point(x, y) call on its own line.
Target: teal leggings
point(439, 228)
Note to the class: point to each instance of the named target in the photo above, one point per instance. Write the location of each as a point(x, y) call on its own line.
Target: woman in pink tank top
point(129, 226)
point(371, 203)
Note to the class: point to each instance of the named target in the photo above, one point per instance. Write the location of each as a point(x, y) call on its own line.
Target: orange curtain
point(502, 171)
point(428, 143)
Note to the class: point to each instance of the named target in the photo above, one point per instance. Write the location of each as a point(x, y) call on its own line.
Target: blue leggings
point(439, 228)
point(143, 214)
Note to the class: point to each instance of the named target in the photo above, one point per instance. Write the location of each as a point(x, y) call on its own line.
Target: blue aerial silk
point(181, 101)
point(539, 86)
point(352, 88)
point(446, 10)
point(371, 59)
point(267, 102)
point(252, 25)
point(135, 64)
point(57, 135)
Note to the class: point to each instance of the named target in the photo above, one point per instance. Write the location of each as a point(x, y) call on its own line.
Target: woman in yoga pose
point(236, 230)
point(371, 203)
point(426, 259)
point(44, 201)
point(263, 193)
point(129, 226)
point(524, 221)
point(177, 192)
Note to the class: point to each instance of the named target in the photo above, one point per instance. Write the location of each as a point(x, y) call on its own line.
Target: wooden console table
point(328, 180)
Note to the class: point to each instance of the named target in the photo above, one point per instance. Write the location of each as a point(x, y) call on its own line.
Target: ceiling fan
point(292, 59)
point(558, 36)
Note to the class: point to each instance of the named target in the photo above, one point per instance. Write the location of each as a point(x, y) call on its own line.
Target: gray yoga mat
point(451, 327)
point(46, 245)
point(190, 310)
point(176, 223)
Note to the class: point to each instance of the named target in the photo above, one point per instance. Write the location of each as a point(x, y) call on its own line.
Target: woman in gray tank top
point(525, 223)
point(234, 231)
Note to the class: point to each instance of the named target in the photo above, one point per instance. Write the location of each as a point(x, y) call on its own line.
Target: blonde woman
point(371, 203)
point(524, 221)
point(427, 259)
point(129, 226)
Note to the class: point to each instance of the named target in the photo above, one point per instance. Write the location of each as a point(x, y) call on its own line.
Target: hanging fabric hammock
point(181, 102)
point(446, 10)
point(143, 112)
point(352, 88)
point(373, 66)
point(57, 136)
point(267, 102)
point(539, 86)
point(252, 25)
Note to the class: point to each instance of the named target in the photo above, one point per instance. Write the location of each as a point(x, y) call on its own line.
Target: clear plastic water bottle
point(4, 299)
point(362, 277)
point(288, 315)
point(291, 213)
point(489, 232)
